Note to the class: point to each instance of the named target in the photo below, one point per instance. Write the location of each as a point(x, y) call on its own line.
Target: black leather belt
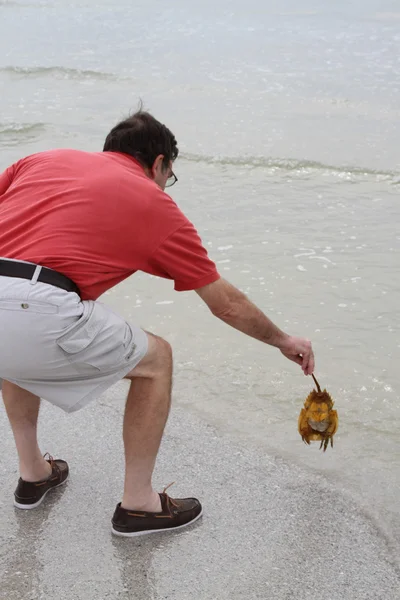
point(10, 268)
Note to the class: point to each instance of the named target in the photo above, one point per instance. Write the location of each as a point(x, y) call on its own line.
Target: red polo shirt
point(97, 218)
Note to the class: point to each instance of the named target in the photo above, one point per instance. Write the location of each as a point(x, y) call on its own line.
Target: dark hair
point(144, 138)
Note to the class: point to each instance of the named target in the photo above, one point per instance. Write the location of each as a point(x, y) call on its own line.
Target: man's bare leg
point(23, 410)
point(146, 414)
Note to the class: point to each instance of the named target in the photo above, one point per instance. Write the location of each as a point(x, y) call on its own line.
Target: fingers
point(308, 362)
point(311, 364)
point(299, 350)
point(297, 359)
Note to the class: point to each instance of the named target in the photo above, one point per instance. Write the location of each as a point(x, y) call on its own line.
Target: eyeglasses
point(171, 180)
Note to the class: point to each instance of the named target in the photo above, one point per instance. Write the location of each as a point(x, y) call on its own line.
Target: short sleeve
point(5, 180)
point(183, 258)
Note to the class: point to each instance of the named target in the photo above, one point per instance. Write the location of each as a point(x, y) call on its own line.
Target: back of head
point(144, 138)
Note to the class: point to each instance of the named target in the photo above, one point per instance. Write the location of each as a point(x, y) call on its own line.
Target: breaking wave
point(12, 134)
point(58, 72)
point(292, 166)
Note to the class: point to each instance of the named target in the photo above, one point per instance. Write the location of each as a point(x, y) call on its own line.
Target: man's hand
point(231, 306)
point(299, 350)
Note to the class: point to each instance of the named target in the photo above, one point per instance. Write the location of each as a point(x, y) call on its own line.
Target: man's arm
point(234, 308)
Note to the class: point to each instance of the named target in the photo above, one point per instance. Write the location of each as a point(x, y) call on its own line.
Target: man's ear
point(157, 165)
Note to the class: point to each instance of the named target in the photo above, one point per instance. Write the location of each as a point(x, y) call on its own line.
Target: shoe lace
point(52, 462)
point(169, 499)
point(49, 458)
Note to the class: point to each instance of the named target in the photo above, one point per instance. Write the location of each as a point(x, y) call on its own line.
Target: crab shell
point(318, 422)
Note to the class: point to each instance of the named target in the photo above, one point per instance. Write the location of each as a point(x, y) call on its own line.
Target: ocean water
point(287, 117)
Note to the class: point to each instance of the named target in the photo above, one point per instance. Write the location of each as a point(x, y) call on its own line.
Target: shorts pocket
point(81, 334)
point(27, 306)
point(99, 339)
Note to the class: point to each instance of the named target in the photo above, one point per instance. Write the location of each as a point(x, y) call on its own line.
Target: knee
point(157, 362)
point(163, 354)
point(160, 365)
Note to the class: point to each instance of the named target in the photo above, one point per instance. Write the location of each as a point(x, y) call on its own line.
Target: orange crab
point(317, 420)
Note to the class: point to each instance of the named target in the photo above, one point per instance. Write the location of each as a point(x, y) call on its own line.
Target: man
point(74, 224)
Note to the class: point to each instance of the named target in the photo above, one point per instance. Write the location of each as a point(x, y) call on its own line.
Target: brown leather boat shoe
point(175, 514)
point(31, 494)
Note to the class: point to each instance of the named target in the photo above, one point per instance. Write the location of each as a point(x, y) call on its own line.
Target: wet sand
point(270, 529)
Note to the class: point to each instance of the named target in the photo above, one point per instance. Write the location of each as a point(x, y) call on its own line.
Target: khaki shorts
point(65, 350)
